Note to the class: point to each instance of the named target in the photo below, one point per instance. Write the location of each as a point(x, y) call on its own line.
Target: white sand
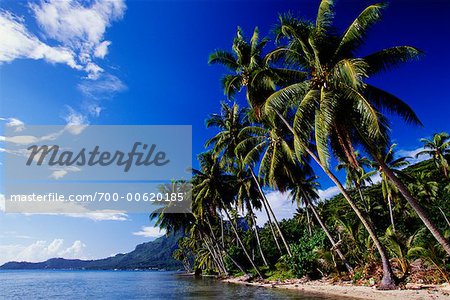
point(357, 292)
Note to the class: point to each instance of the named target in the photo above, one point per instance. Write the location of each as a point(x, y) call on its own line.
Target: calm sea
point(43, 284)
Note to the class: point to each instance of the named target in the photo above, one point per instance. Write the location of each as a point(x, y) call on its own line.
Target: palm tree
point(424, 188)
point(336, 105)
point(263, 81)
point(248, 70)
point(230, 122)
point(173, 221)
point(389, 190)
point(268, 146)
point(357, 177)
point(214, 191)
point(248, 199)
point(438, 147)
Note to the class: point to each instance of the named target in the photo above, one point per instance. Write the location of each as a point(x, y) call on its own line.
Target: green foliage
point(304, 260)
point(281, 272)
point(311, 95)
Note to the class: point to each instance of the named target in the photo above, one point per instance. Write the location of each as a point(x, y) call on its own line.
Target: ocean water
point(52, 284)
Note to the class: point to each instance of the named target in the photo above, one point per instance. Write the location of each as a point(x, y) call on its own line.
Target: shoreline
point(414, 292)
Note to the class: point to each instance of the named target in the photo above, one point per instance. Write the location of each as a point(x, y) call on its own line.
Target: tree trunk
point(242, 245)
point(214, 257)
point(387, 282)
point(264, 199)
point(391, 214)
point(219, 257)
point(221, 230)
point(415, 205)
point(308, 220)
point(269, 218)
point(325, 229)
point(231, 258)
point(213, 236)
point(257, 239)
point(445, 217)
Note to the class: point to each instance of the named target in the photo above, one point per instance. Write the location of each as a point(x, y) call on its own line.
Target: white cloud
point(14, 123)
point(41, 251)
point(74, 251)
point(2, 203)
point(412, 154)
point(102, 49)
point(103, 88)
point(284, 208)
point(93, 71)
point(59, 173)
point(14, 235)
point(80, 26)
point(73, 33)
point(17, 42)
point(103, 215)
point(77, 27)
point(149, 231)
point(328, 193)
point(70, 22)
point(281, 205)
point(76, 122)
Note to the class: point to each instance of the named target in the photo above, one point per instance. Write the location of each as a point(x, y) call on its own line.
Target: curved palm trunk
point(213, 237)
point(258, 240)
point(219, 259)
point(242, 244)
point(269, 210)
point(387, 282)
point(416, 206)
point(230, 257)
point(327, 233)
point(214, 257)
point(269, 218)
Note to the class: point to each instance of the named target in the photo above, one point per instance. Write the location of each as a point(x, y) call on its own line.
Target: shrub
point(304, 260)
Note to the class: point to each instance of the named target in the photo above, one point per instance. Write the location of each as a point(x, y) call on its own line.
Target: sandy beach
point(412, 292)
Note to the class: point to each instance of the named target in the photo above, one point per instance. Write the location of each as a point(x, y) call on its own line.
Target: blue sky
point(145, 62)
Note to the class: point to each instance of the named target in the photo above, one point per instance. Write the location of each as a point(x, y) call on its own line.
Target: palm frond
point(325, 15)
point(389, 58)
point(224, 58)
point(357, 31)
point(385, 101)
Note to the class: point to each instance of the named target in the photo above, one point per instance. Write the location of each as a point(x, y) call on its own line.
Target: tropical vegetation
point(312, 113)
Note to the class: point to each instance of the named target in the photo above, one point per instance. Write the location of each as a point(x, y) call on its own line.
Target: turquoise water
point(49, 284)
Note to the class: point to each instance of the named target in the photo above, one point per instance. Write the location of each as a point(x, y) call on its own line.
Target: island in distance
point(151, 255)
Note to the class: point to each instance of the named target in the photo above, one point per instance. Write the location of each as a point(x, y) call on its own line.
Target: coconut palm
point(268, 146)
point(248, 70)
point(438, 147)
point(230, 122)
point(336, 105)
point(357, 177)
point(214, 191)
point(247, 200)
point(389, 190)
point(334, 77)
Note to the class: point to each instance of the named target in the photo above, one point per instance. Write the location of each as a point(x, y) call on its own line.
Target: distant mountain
point(156, 254)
